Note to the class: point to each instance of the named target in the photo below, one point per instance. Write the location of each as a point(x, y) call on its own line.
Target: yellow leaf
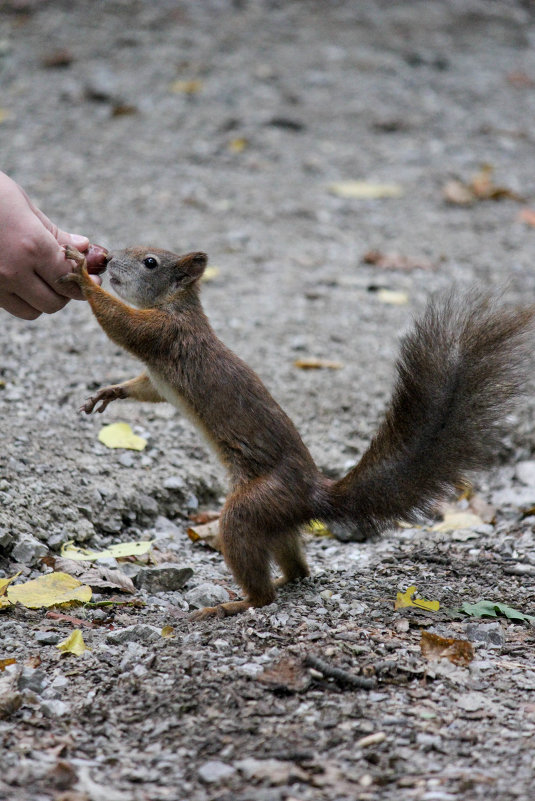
point(4, 583)
point(453, 521)
point(118, 551)
point(317, 364)
point(363, 190)
point(238, 145)
point(4, 663)
point(210, 273)
point(393, 297)
point(190, 87)
point(408, 598)
point(120, 435)
point(206, 533)
point(319, 529)
point(74, 644)
point(168, 631)
point(49, 590)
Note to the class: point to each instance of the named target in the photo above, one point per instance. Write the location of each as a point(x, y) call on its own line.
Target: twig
point(340, 676)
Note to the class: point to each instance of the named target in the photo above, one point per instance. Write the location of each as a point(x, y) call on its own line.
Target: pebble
point(215, 771)
point(29, 550)
point(164, 578)
point(32, 679)
point(207, 594)
point(489, 633)
point(54, 708)
point(140, 633)
point(174, 483)
point(46, 637)
point(525, 472)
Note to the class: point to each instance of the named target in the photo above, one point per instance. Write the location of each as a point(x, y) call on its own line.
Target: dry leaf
point(190, 87)
point(480, 187)
point(460, 652)
point(527, 216)
point(76, 621)
point(392, 297)
point(287, 674)
point(408, 598)
point(74, 644)
point(207, 534)
point(395, 261)
point(168, 631)
point(201, 518)
point(364, 190)
point(520, 80)
point(238, 145)
point(118, 551)
point(453, 521)
point(319, 529)
point(210, 273)
point(96, 576)
point(50, 590)
point(120, 435)
point(317, 364)
point(4, 663)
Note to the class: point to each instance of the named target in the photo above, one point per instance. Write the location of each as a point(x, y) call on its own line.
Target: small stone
point(139, 633)
point(126, 460)
point(83, 530)
point(29, 550)
point(471, 701)
point(250, 669)
point(174, 483)
point(489, 633)
point(6, 539)
point(46, 637)
point(215, 771)
point(54, 708)
point(207, 594)
point(148, 505)
point(32, 679)
point(525, 472)
point(164, 578)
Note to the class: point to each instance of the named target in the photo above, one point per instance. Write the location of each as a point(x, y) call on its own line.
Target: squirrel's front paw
point(104, 397)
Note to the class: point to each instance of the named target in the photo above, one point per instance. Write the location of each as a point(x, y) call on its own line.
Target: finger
point(18, 307)
point(41, 296)
point(77, 241)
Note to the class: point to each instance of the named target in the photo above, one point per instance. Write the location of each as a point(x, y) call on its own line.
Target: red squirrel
point(459, 370)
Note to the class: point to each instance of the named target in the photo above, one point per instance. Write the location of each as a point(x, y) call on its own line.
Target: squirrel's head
point(146, 277)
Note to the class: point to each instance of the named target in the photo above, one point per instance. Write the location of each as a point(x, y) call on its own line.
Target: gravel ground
point(220, 126)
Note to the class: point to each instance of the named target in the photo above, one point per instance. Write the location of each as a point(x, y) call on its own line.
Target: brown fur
point(458, 373)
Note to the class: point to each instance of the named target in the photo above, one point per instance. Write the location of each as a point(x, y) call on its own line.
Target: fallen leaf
point(288, 674)
point(395, 261)
point(204, 517)
point(74, 644)
point(168, 631)
point(76, 621)
point(392, 297)
point(95, 576)
point(4, 663)
point(238, 145)
point(495, 609)
point(5, 582)
point(207, 534)
point(520, 80)
point(317, 364)
point(364, 190)
point(120, 435)
point(188, 87)
point(50, 590)
point(408, 598)
point(319, 529)
point(121, 549)
point(460, 652)
point(527, 216)
point(479, 187)
point(453, 521)
point(210, 273)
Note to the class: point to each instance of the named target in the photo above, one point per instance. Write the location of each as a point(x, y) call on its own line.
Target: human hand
point(32, 257)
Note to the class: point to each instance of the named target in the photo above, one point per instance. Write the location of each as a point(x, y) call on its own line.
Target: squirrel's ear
point(191, 266)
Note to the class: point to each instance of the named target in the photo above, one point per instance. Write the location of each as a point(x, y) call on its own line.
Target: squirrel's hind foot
point(221, 610)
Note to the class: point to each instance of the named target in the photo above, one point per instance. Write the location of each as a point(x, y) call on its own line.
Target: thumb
point(76, 240)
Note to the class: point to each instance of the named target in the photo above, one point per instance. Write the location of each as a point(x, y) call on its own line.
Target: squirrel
point(460, 369)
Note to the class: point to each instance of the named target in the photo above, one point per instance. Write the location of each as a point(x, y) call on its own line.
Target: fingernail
point(77, 240)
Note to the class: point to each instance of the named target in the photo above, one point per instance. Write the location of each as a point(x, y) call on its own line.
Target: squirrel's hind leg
point(289, 555)
point(244, 529)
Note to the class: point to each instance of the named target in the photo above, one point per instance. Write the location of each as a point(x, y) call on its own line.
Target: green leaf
point(495, 609)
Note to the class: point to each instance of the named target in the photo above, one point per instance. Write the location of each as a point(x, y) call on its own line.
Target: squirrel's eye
point(150, 262)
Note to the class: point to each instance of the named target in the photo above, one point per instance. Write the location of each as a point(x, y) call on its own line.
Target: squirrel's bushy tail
point(459, 372)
